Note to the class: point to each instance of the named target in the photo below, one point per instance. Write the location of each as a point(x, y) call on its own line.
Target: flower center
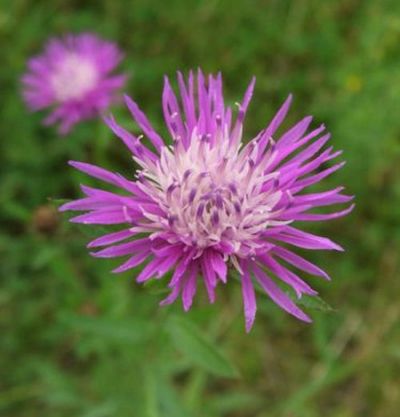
point(73, 78)
point(203, 208)
point(215, 195)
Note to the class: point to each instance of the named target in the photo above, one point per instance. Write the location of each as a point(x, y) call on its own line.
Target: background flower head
point(209, 203)
point(73, 76)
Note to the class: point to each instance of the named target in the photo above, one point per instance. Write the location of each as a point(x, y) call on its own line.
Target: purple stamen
point(237, 207)
point(215, 218)
point(233, 188)
point(200, 210)
point(192, 194)
point(186, 174)
point(219, 201)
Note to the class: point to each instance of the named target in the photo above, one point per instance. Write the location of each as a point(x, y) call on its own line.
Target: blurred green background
point(79, 341)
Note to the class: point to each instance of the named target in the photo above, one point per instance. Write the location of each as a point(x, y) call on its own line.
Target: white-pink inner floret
point(213, 193)
point(73, 78)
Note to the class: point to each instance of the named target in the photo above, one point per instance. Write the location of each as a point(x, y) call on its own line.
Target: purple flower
point(208, 202)
point(73, 77)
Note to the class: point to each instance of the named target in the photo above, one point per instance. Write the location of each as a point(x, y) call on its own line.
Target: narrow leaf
point(188, 338)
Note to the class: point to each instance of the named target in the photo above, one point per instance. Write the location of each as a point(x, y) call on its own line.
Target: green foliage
point(188, 339)
point(78, 341)
point(314, 303)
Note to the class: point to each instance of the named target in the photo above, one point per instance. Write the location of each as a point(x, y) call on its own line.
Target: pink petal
point(277, 295)
point(249, 297)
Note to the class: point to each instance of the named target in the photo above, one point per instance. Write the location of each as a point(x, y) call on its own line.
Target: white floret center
point(73, 78)
point(215, 194)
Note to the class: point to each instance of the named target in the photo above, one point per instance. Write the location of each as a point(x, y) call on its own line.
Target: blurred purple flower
point(208, 202)
point(72, 76)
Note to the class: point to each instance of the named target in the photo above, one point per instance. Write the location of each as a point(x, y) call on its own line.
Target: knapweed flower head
point(208, 203)
point(73, 77)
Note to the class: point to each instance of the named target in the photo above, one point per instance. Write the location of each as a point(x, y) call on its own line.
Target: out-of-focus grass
point(79, 341)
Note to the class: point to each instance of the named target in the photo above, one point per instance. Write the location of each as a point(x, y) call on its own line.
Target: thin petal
point(277, 295)
point(149, 271)
point(279, 117)
point(299, 262)
point(249, 297)
point(303, 239)
point(209, 277)
point(286, 276)
point(123, 249)
point(133, 261)
point(319, 217)
point(110, 238)
point(144, 124)
point(219, 265)
point(189, 287)
point(172, 296)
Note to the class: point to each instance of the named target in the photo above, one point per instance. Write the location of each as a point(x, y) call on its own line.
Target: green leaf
point(129, 330)
point(58, 202)
point(313, 303)
point(189, 339)
point(171, 402)
point(104, 409)
point(151, 408)
point(235, 401)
